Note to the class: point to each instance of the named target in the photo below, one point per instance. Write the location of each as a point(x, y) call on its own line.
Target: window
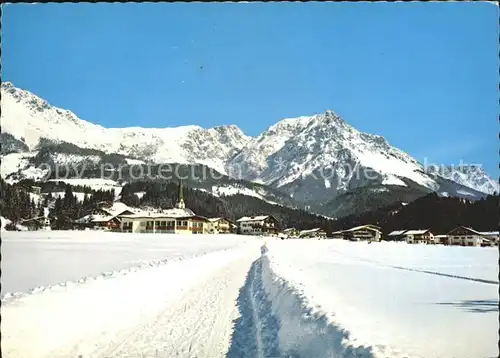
point(185, 223)
point(179, 223)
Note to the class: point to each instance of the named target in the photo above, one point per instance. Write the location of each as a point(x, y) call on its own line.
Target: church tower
point(180, 200)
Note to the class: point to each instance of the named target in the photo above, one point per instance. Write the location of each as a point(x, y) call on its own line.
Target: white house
point(397, 235)
point(493, 236)
point(465, 236)
point(363, 233)
point(178, 220)
point(316, 232)
point(423, 236)
point(219, 226)
point(441, 239)
point(258, 225)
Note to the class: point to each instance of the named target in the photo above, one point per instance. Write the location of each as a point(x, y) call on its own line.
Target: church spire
point(180, 200)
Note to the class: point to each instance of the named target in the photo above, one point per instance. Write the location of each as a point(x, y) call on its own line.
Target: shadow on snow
point(478, 306)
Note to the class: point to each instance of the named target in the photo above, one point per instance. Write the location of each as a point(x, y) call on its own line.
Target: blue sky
point(423, 75)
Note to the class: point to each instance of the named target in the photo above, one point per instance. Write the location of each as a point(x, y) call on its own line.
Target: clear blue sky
point(423, 75)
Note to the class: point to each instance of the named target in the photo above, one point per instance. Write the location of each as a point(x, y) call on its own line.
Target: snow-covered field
point(397, 300)
point(239, 297)
point(33, 260)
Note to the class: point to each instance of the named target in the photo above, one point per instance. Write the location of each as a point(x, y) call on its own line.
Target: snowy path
point(180, 309)
point(198, 324)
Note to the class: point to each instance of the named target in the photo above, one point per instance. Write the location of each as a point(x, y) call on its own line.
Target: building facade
point(258, 225)
point(164, 223)
point(465, 236)
point(219, 226)
point(363, 233)
point(313, 233)
point(178, 220)
point(291, 233)
point(419, 237)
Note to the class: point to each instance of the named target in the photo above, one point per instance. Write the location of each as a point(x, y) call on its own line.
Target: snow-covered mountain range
point(311, 158)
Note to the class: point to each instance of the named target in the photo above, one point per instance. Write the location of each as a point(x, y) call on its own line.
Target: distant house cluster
point(181, 220)
point(178, 220)
point(460, 236)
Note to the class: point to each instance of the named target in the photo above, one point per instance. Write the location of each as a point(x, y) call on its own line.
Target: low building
point(219, 226)
point(258, 225)
point(291, 233)
point(397, 235)
point(441, 239)
point(423, 236)
point(313, 233)
point(363, 233)
point(337, 234)
point(493, 236)
point(466, 236)
point(178, 220)
point(98, 222)
point(115, 209)
point(168, 222)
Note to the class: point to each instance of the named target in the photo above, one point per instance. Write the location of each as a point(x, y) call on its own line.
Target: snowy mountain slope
point(317, 158)
point(312, 159)
point(472, 176)
point(28, 118)
point(324, 152)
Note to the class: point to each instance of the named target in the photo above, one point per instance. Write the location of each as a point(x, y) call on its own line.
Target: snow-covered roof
point(397, 232)
point(467, 228)
point(214, 219)
point(311, 230)
point(416, 232)
point(489, 233)
point(440, 236)
point(176, 212)
point(117, 208)
point(167, 213)
point(369, 227)
point(101, 218)
point(253, 218)
point(94, 218)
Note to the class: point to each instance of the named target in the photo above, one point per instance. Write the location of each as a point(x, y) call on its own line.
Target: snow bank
point(398, 300)
point(305, 331)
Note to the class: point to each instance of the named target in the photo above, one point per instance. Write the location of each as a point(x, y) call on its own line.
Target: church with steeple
point(180, 198)
point(177, 220)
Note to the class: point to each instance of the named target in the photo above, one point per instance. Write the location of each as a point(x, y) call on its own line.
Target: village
point(119, 217)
